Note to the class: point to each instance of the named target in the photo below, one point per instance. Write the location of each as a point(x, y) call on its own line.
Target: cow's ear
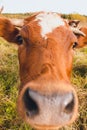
point(81, 35)
point(82, 40)
point(8, 30)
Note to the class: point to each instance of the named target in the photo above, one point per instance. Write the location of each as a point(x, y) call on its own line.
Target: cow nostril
point(69, 106)
point(30, 104)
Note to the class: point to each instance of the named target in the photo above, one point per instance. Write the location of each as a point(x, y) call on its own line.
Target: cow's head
point(47, 100)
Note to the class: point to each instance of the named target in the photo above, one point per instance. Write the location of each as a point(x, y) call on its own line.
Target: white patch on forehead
point(48, 22)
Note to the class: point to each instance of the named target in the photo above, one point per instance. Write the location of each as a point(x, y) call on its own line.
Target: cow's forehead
point(48, 22)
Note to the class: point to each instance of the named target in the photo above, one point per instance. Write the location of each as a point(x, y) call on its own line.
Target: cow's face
point(46, 100)
point(46, 48)
point(45, 56)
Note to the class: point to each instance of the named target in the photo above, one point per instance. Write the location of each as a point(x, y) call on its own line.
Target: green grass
point(9, 82)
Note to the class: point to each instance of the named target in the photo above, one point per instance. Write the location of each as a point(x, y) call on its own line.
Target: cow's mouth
point(46, 127)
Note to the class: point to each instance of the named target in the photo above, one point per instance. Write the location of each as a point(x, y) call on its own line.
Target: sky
point(60, 6)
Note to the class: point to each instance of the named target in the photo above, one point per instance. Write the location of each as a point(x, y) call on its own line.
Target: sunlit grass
point(9, 81)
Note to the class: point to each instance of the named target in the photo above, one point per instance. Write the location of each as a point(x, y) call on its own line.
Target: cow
point(46, 43)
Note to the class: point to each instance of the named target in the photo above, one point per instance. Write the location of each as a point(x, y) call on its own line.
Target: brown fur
point(82, 40)
point(7, 30)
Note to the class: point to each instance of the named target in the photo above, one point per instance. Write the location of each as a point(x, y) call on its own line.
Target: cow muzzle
point(48, 111)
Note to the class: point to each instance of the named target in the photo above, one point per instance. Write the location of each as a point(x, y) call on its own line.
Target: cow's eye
point(75, 44)
point(19, 39)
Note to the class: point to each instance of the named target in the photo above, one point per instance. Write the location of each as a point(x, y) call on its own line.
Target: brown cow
point(47, 100)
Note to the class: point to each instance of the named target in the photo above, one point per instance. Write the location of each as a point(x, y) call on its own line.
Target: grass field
point(9, 82)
